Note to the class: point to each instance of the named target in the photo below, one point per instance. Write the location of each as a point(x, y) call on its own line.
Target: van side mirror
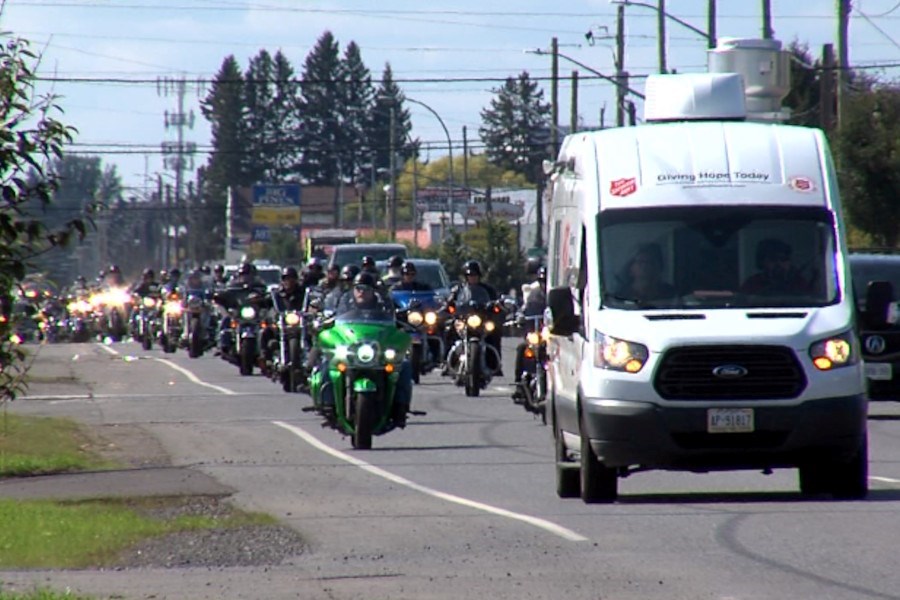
point(563, 321)
point(879, 295)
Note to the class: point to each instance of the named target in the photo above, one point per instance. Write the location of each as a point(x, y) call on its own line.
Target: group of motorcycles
point(352, 364)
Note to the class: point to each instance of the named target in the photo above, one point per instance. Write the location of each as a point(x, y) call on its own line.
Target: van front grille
point(729, 373)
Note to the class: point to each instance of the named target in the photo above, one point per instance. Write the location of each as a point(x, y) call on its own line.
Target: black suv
point(880, 338)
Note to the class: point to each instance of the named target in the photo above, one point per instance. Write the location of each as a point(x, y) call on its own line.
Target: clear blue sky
point(449, 55)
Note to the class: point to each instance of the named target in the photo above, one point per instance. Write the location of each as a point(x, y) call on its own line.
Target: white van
point(699, 300)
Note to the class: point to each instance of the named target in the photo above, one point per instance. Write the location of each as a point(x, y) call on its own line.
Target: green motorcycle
point(364, 351)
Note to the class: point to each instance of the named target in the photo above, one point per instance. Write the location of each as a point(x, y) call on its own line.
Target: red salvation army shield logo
point(623, 187)
point(802, 184)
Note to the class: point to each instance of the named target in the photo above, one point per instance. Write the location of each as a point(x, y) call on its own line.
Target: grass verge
point(91, 533)
point(45, 445)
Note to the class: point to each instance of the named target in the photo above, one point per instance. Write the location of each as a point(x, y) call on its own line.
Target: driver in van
point(645, 281)
point(777, 274)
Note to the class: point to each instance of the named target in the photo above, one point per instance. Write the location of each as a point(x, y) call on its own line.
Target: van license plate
point(879, 371)
point(729, 420)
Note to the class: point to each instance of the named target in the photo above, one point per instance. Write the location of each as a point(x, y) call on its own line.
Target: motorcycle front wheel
point(364, 415)
point(195, 343)
point(247, 357)
point(473, 381)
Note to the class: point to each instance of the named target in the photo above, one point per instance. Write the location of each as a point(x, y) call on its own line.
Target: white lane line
point(109, 349)
point(553, 528)
point(193, 377)
point(59, 398)
point(884, 479)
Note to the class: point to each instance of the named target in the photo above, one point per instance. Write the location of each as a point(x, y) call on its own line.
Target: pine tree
point(389, 95)
point(515, 128)
point(223, 107)
point(285, 127)
point(359, 101)
point(261, 143)
point(321, 102)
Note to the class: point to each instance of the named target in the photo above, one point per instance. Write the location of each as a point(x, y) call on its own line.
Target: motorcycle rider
point(368, 265)
point(474, 289)
point(114, 277)
point(394, 274)
point(408, 281)
point(288, 296)
point(535, 301)
point(244, 279)
point(333, 298)
point(312, 274)
point(147, 284)
point(219, 280)
point(363, 296)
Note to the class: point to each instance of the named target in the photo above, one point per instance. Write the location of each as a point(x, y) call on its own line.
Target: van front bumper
point(627, 433)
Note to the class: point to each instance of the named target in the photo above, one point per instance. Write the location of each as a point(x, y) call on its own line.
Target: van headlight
point(834, 352)
point(618, 355)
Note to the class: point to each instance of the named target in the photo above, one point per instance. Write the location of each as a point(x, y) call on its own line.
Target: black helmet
point(542, 274)
point(113, 269)
point(205, 269)
point(395, 262)
point(349, 272)
point(148, 272)
point(368, 261)
point(246, 269)
point(472, 267)
point(364, 278)
point(408, 267)
point(176, 272)
point(314, 264)
point(81, 279)
point(219, 268)
point(101, 274)
point(289, 273)
point(334, 268)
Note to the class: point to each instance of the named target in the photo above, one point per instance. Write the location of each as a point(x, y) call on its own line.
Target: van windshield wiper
point(632, 301)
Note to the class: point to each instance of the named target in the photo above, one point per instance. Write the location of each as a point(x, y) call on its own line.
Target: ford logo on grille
point(730, 371)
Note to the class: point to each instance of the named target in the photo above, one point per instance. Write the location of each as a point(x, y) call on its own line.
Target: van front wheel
point(599, 483)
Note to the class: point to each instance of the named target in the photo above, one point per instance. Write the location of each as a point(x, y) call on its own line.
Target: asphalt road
point(462, 502)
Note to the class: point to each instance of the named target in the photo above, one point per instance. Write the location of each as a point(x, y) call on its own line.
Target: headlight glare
point(415, 318)
point(248, 312)
point(390, 354)
point(618, 355)
point(473, 321)
point(430, 318)
point(292, 319)
point(834, 352)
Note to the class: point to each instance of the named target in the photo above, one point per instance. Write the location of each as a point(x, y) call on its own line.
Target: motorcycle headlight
point(390, 354)
point(292, 319)
point(430, 318)
point(342, 352)
point(618, 355)
point(415, 318)
point(834, 352)
point(117, 297)
point(473, 321)
point(173, 308)
point(366, 353)
point(248, 312)
point(534, 338)
point(489, 326)
point(148, 302)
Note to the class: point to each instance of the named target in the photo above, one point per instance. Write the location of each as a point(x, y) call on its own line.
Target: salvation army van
point(699, 299)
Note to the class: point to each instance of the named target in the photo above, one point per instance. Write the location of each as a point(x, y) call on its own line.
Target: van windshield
point(717, 257)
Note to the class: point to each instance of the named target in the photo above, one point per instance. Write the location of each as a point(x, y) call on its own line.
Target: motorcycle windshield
point(404, 298)
point(375, 315)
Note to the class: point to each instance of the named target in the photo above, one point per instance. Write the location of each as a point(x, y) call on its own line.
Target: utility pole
point(767, 31)
point(844, 7)
point(178, 155)
point(621, 76)
point(465, 158)
point(573, 119)
point(554, 96)
point(661, 35)
point(391, 215)
point(711, 24)
point(826, 89)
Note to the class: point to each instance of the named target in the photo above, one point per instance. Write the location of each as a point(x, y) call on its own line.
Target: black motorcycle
point(471, 361)
point(240, 331)
point(531, 388)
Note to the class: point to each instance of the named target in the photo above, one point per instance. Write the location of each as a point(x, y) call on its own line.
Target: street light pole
point(450, 152)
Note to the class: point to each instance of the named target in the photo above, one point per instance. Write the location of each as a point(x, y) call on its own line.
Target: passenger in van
point(644, 273)
point(777, 273)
